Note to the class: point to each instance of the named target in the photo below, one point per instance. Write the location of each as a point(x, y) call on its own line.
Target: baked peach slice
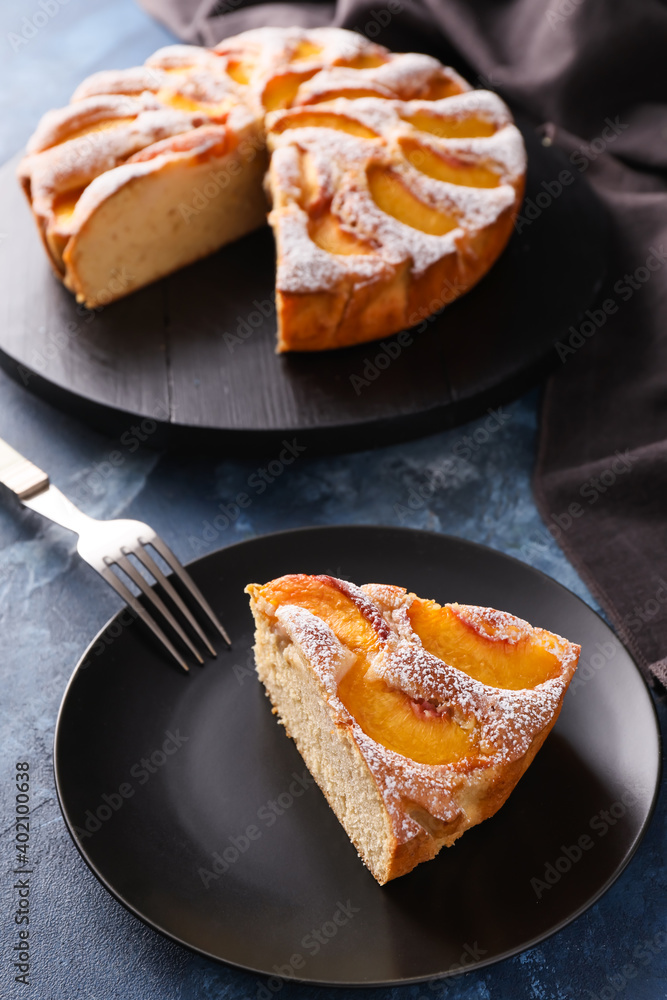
point(416, 720)
point(393, 196)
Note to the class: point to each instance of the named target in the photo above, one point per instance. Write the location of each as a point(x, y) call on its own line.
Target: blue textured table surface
point(83, 944)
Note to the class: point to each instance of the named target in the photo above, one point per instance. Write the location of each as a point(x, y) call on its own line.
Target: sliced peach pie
point(394, 185)
point(416, 720)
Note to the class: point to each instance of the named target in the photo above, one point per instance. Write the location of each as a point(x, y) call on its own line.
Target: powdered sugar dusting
point(305, 267)
point(134, 80)
point(271, 47)
point(79, 161)
point(492, 624)
point(318, 642)
point(407, 76)
point(60, 124)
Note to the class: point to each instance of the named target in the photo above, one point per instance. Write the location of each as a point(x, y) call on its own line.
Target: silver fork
point(104, 544)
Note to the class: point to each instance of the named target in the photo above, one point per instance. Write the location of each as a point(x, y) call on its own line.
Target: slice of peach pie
point(416, 720)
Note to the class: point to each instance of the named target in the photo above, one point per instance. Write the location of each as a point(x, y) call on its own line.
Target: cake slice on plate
point(416, 720)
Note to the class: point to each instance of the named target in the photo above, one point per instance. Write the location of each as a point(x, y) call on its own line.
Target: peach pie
point(416, 720)
point(394, 185)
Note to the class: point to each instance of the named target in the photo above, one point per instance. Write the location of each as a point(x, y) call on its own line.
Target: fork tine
point(185, 577)
point(137, 579)
point(155, 571)
point(138, 608)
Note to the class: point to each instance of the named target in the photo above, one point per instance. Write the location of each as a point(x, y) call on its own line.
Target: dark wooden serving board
point(194, 353)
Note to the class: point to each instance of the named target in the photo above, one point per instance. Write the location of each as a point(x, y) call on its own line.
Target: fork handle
point(19, 475)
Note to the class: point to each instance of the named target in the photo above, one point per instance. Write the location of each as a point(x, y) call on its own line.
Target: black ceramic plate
point(193, 808)
point(193, 354)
